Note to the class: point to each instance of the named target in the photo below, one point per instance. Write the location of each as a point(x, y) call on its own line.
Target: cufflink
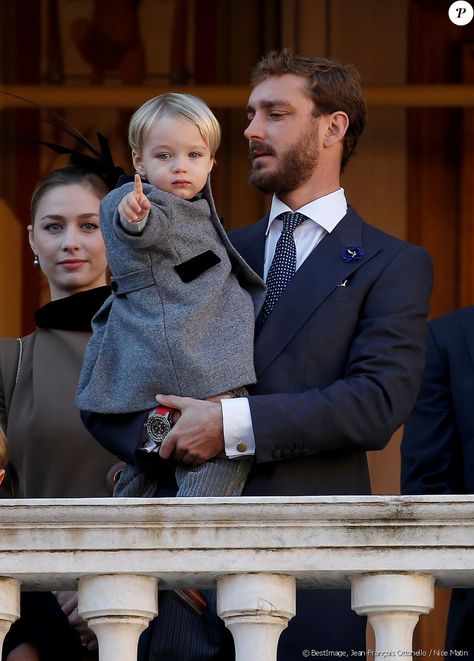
point(241, 447)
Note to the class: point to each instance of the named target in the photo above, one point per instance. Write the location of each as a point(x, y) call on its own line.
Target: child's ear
point(211, 164)
point(2, 475)
point(138, 163)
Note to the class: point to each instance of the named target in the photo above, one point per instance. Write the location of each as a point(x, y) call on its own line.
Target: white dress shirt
point(322, 215)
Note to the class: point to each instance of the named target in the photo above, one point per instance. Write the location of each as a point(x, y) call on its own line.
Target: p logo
point(460, 12)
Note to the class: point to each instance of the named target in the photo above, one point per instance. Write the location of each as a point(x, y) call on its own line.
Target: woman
point(51, 455)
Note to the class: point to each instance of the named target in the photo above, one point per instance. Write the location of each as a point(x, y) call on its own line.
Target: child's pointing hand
point(135, 205)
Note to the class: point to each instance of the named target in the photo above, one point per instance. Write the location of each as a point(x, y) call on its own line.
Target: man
point(437, 448)
point(339, 358)
point(339, 351)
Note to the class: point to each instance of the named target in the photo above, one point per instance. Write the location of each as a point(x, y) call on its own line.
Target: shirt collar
point(326, 211)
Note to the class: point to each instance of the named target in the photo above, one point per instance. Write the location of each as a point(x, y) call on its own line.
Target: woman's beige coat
point(51, 454)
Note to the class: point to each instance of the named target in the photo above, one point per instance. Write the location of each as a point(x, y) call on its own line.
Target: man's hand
point(135, 205)
point(198, 434)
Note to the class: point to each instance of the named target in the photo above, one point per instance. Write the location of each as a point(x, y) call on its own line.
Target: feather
point(101, 161)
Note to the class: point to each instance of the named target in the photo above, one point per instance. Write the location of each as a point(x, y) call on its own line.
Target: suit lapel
point(250, 242)
point(322, 272)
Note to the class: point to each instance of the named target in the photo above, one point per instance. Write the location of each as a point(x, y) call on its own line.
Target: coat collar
point(72, 313)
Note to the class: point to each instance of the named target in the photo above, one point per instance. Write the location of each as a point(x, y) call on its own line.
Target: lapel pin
point(352, 254)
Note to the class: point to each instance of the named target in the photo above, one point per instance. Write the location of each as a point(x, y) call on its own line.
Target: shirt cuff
point(239, 439)
point(134, 228)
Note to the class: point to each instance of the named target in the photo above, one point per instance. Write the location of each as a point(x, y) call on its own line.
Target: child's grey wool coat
point(181, 317)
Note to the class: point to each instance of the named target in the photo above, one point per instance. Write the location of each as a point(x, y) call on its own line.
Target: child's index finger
point(138, 187)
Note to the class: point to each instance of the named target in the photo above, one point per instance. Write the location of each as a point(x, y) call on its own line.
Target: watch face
point(157, 427)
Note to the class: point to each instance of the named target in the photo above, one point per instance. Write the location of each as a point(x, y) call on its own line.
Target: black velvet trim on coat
point(73, 313)
point(196, 266)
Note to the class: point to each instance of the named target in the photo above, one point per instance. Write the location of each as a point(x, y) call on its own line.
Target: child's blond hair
point(172, 104)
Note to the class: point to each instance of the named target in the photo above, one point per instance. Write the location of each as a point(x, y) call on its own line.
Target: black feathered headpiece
point(101, 161)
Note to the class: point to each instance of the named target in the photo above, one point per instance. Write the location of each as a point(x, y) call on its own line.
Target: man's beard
point(296, 166)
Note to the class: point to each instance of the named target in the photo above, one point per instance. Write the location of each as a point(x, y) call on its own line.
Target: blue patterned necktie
point(283, 266)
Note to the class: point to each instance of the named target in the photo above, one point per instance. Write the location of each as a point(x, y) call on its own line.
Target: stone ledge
point(321, 541)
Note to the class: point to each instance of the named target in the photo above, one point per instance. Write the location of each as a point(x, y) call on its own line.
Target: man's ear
point(138, 163)
point(338, 123)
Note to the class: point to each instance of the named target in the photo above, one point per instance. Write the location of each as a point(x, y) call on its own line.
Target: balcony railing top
point(321, 541)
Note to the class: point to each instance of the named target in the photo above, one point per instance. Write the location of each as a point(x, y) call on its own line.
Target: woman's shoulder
point(12, 345)
point(7, 344)
point(12, 351)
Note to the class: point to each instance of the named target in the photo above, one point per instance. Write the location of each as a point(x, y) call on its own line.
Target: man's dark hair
point(332, 86)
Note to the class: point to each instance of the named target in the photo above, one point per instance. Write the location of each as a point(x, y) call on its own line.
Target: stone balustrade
point(391, 550)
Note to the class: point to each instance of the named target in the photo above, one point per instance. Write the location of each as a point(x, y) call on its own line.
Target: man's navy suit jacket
point(339, 361)
point(438, 441)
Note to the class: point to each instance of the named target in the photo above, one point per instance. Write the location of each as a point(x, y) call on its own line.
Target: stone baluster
point(118, 608)
point(9, 605)
point(256, 608)
point(393, 604)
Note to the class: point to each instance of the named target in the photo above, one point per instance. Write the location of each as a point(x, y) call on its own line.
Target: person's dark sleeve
point(431, 450)
point(122, 435)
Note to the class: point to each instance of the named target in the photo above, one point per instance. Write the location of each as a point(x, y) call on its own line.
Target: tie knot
point(291, 221)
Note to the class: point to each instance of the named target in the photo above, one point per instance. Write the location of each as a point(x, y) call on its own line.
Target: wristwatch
point(158, 424)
